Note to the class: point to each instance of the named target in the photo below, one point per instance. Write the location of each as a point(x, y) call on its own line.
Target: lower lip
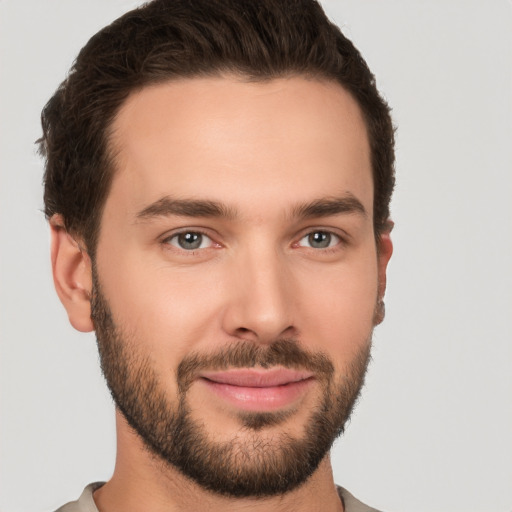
point(260, 399)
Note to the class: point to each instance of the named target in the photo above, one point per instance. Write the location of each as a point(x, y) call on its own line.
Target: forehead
point(288, 139)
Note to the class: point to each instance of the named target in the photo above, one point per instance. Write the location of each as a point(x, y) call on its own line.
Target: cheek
point(171, 311)
point(168, 311)
point(340, 308)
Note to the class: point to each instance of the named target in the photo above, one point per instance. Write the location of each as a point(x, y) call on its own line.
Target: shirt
point(86, 501)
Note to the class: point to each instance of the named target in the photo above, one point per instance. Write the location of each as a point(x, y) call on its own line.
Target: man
point(218, 178)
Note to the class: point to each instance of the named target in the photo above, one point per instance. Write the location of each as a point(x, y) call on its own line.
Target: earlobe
point(72, 275)
point(385, 250)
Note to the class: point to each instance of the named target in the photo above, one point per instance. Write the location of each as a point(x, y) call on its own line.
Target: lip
point(259, 390)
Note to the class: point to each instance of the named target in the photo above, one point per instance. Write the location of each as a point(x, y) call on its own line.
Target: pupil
point(320, 239)
point(190, 240)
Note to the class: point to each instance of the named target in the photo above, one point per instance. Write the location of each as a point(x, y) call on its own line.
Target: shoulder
point(352, 504)
point(83, 504)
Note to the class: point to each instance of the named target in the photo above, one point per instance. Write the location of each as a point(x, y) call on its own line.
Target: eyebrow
point(167, 206)
point(323, 207)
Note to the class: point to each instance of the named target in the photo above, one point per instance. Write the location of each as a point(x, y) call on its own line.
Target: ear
point(72, 275)
point(384, 252)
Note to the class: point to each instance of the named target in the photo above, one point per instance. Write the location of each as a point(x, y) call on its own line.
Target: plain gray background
point(433, 431)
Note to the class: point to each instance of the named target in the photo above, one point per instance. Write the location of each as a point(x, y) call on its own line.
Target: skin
point(261, 150)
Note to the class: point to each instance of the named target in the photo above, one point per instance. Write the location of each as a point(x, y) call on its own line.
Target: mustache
point(283, 352)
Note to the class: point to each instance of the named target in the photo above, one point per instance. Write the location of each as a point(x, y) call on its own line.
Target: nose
point(260, 303)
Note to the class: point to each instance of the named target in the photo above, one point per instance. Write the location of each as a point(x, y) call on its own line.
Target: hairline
point(90, 233)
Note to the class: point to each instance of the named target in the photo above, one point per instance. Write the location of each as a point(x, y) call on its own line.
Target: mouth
point(259, 390)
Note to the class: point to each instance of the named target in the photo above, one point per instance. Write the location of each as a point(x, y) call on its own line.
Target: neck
point(141, 481)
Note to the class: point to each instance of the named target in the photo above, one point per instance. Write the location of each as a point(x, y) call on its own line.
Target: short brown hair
point(169, 39)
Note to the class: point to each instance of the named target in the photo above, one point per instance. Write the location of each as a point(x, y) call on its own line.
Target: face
point(237, 275)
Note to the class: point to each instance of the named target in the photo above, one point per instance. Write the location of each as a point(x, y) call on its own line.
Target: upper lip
point(257, 378)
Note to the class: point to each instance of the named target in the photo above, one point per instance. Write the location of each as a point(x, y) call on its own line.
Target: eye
point(190, 240)
point(320, 240)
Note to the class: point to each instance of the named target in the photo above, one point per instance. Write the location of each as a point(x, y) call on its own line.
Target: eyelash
point(340, 241)
point(167, 241)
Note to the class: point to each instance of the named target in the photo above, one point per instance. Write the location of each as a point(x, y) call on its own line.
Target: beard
point(254, 463)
